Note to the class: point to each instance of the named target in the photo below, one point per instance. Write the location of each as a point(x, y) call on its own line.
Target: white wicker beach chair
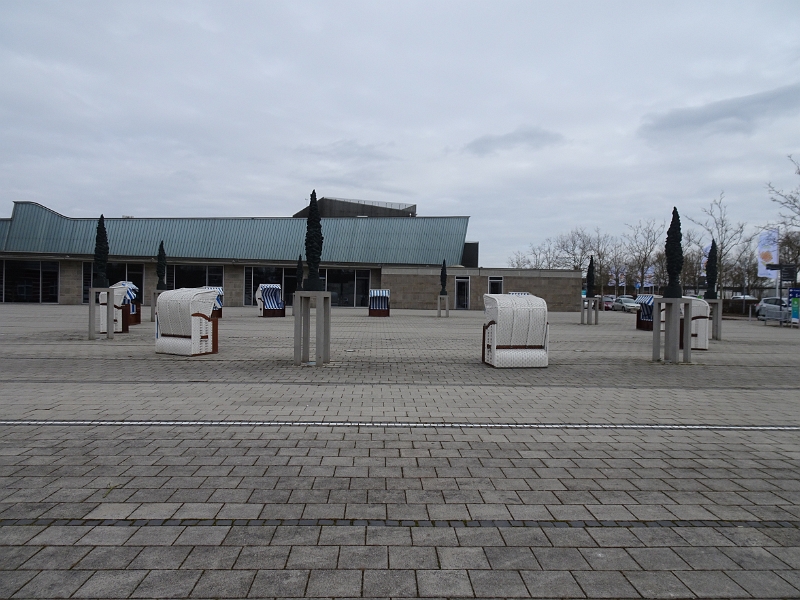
point(217, 300)
point(515, 331)
point(124, 294)
point(184, 323)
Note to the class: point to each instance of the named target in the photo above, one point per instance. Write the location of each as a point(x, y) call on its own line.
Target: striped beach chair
point(644, 316)
point(379, 303)
point(268, 299)
point(185, 324)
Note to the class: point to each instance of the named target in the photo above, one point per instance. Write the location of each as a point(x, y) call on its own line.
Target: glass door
point(462, 293)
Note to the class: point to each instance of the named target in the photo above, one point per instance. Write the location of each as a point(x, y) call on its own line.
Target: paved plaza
point(404, 468)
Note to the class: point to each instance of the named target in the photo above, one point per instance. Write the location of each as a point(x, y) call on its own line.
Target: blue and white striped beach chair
point(379, 303)
point(644, 316)
point(268, 298)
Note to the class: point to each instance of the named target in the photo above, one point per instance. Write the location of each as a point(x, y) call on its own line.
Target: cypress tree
point(590, 278)
point(161, 267)
point(313, 245)
point(101, 254)
point(674, 254)
point(711, 272)
point(299, 273)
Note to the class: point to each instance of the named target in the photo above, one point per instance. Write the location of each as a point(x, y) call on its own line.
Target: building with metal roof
point(47, 257)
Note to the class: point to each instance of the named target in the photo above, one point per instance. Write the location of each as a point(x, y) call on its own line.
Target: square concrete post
point(154, 304)
point(446, 306)
point(672, 323)
point(687, 331)
point(326, 355)
point(597, 302)
point(583, 310)
point(302, 327)
point(298, 328)
point(656, 329)
point(109, 312)
point(306, 321)
point(716, 318)
point(92, 315)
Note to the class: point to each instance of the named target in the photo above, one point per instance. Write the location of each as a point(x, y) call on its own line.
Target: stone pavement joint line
point(579, 524)
point(400, 424)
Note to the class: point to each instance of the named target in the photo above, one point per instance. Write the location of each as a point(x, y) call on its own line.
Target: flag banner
point(767, 252)
point(704, 260)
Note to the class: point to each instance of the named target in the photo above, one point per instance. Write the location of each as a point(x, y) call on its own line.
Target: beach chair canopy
point(220, 294)
point(177, 307)
point(379, 299)
point(521, 320)
point(270, 295)
point(130, 291)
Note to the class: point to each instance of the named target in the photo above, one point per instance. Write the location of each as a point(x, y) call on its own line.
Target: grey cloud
point(532, 137)
point(348, 150)
point(733, 115)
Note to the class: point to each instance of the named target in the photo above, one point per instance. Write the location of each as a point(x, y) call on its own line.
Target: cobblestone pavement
point(460, 481)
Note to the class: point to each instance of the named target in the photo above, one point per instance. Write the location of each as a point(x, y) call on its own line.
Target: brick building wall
point(418, 287)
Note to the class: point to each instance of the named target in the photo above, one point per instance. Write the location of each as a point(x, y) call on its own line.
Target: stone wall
point(418, 287)
point(70, 282)
point(233, 285)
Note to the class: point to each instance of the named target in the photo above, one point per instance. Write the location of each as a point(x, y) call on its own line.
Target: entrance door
point(462, 293)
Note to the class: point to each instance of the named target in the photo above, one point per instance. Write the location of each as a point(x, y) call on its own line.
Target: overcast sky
point(530, 117)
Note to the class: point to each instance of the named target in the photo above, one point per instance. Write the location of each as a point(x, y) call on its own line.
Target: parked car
point(744, 297)
point(771, 301)
point(607, 302)
point(625, 305)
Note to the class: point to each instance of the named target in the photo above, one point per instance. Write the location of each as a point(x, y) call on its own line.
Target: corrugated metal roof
point(36, 229)
point(5, 225)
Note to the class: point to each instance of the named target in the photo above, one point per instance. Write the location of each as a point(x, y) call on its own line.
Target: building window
point(30, 281)
point(255, 276)
point(194, 276)
point(495, 285)
point(341, 283)
point(115, 271)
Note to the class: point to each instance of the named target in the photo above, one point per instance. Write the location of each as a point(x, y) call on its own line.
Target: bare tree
point(789, 201)
point(725, 232)
point(617, 263)
point(641, 242)
point(519, 260)
point(545, 255)
point(693, 257)
point(573, 249)
point(600, 246)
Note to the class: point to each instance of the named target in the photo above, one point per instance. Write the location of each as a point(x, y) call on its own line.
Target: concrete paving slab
point(404, 468)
